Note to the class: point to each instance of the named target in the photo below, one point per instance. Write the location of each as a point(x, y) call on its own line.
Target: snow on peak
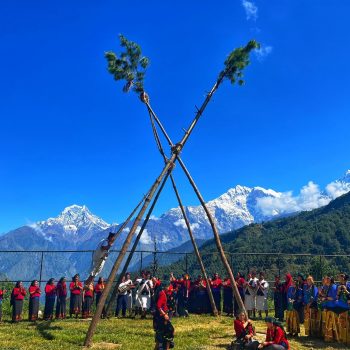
point(74, 220)
point(346, 177)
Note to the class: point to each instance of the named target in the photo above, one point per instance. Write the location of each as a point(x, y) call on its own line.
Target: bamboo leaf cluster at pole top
point(130, 67)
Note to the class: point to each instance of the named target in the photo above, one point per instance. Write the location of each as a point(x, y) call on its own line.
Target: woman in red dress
point(50, 298)
point(245, 332)
point(34, 296)
point(276, 338)
point(17, 297)
point(76, 291)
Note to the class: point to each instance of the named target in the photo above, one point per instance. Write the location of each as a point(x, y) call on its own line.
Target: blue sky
point(69, 135)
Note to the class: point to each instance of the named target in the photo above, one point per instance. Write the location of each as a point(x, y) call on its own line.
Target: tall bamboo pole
point(136, 242)
point(168, 167)
point(216, 236)
point(210, 217)
point(187, 222)
point(195, 247)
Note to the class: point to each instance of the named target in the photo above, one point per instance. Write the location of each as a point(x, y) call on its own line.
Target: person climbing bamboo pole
point(126, 67)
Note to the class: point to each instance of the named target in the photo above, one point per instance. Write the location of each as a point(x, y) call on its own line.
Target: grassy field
point(195, 333)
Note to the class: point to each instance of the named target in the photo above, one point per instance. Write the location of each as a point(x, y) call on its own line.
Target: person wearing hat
point(276, 338)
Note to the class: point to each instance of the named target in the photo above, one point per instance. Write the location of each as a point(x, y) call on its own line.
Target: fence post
point(279, 264)
point(41, 267)
point(186, 263)
point(141, 262)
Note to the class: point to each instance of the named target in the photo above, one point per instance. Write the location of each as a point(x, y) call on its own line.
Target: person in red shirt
point(34, 296)
point(183, 295)
point(228, 297)
point(216, 284)
point(61, 292)
point(50, 298)
point(241, 289)
point(99, 287)
point(17, 297)
point(2, 293)
point(245, 332)
point(88, 296)
point(76, 291)
point(201, 299)
point(161, 322)
point(276, 338)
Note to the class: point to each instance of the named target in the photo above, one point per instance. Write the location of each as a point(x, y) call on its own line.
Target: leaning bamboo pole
point(133, 249)
point(209, 215)
point(168, 167)
point(195, 248)
point(216, 237)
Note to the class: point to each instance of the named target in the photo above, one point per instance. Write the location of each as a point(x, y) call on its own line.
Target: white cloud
point(127, 229)
point(182, 223)
point(337, 188)
point(310, 197)
point(154, 218)
point(165, 239)
point(251, 10)
point(145, 237)
point(263, 51)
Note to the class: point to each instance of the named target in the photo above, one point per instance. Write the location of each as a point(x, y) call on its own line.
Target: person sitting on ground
point(245, 332)
point(276, 338)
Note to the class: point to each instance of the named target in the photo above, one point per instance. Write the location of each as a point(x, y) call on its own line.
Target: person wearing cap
point(276, 338)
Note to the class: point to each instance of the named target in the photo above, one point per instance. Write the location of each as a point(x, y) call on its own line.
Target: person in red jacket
point(276, 338)
point(17, 297)
point(99, 287)
point(88, 298)
point(161, 322)
point(245, 332)
point(2, 293)
point(61, 292)
point(76, 291)
point(34, 296)
point(50, 298)
point(216, 284)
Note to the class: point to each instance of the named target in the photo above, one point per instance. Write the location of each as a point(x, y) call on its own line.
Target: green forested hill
point(324, 231)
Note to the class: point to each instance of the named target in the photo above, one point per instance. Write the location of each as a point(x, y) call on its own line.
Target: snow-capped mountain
point(77, 228)
point(75, 224)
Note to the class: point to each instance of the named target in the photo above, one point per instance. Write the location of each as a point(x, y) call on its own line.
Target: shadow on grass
point(44, 329)
point(317, 343)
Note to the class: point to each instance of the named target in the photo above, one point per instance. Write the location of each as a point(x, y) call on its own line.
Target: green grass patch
point(194, 333)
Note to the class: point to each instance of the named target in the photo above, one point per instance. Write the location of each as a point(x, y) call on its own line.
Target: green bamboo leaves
point(130, 66)
point(236, 61)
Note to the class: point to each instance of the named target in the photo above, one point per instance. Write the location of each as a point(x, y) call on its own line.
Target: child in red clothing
point(276, 338)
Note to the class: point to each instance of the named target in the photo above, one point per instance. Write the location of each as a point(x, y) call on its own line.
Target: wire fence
point(43, 265)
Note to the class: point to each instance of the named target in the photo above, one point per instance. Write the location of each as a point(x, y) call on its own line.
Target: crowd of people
point(323, 310)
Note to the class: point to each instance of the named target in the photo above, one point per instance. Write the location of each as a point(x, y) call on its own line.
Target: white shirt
point(99, 253)
point(126, 283)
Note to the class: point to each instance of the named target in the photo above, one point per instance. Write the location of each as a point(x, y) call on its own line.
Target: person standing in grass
point(61, 291)
point(261, 295)
point(292, 317)
point(122, 300)
point(99, 288)
point(164, 337)
point(278, 298)
point(76, 290)
point(50, 298)
point(2, 293)
point(17, 297)
point(216, 285)
point(228, 297)
point(88, 296)
point(34, 296)
point(310, 306)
